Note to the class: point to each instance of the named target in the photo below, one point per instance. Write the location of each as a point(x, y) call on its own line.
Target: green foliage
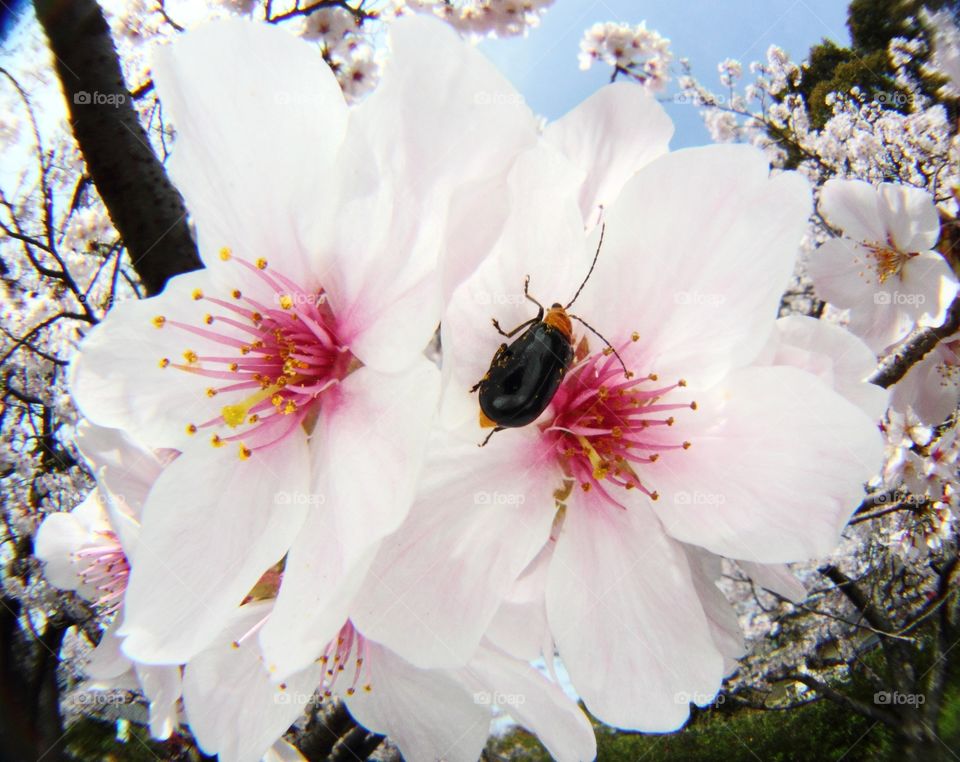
point(90, 740)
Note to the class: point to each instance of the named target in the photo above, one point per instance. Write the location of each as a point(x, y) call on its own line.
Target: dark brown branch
point(896, 366)
point(144, 206)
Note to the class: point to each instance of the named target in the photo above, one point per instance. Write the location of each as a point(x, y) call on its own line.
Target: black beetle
point(524, 375)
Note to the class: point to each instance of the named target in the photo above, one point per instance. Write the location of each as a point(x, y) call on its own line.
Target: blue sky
point(545, 70)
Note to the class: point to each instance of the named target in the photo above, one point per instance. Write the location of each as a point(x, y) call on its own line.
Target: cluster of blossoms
point(478, 18)
point(640, 53)
point(313, 517)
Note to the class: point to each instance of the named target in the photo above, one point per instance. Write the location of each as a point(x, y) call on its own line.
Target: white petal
point(777, 578)
point(282, 751)
point(724, 626)
point(854, 207)
point(116, 378)
point(428, 714)
point(234, 708)
point(211, 527)
point(834, 355)
point(777, 464)
point(107, 661)
point(439, 580)
point(610, 136)
point(842, 273)
point(251, 159)
point(911, 216)
point(697, 251)
point(628, 623)
point(520, 626)
point(534, 702)
point(161, 686)
point(450, 126)
point(931, 282)
point(930, 387)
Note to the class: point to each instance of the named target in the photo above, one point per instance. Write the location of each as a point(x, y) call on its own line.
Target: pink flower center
point(609, 429)
point(278, 359)
point(104, 566)
point(346, 654)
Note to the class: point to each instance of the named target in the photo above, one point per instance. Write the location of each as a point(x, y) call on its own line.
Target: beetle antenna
point(603, 227)
point(616, 354)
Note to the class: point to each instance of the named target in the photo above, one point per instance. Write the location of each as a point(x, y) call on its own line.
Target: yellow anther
point(654, 495)
point(256, 317)
point(261, 264)
point(208, 319)
point(197, 294)
point(686, 445)
point(653, 377)
point(655, 457)
point(286, 301)
point(693, 405)
point(236, 294)
point(682, 382)
point(164, 362)
point(635, 336)
point(350, 691)
point(191, 428)
point(245, 452)
point(211, 392)
point(368, 688)
point(670, 421)
point(216, 441)
point(585, 486)
point(290, 407)
point(225, 253)
point(159, 321)
point(233, 366)
point(190, 356)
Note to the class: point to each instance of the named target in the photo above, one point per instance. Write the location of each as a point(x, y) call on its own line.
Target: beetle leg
point(531, 321)
point(526, 293)
point(492, 432)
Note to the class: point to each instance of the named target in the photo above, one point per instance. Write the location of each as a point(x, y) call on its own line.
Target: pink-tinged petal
point(842, 273)
point(699, 290)
point(927, 286)
point(627, 619)
point(108, 662)
point(879, 324)
point(777, 578)
point(481, 516)
point(705, 568)
point(59, 537)
point(213, 524)
point(234, 708)
point(534, 702)
point(853, 206)
point(450, 125)
point(161, 686)
point(428, 714)
point(610, 136)
point(836, 356)
point(520, 627)
point(777, 464)
point(253, 161)
point(912, 219)
point(125, 470)
point(117, 378)
point(543, 238)
point(931, 387)
point(368, 448)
